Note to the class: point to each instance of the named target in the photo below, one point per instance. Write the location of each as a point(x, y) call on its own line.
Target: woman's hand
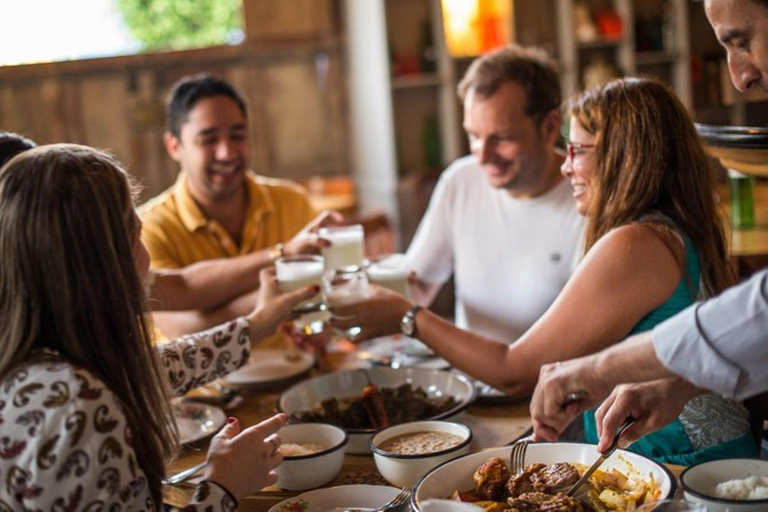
point(243, 462)
point(307, 241)
point(274, 307)
point(653, 404)
point(564, 391)
point(378, 315)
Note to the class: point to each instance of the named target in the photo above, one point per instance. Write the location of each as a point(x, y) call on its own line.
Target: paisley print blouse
point(64, 441)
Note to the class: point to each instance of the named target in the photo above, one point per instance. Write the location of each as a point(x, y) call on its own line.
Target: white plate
point(321, 500)
point(457, 474)
point(389, 345)
point(271, 367)
point(197, 421)
point(406, 352)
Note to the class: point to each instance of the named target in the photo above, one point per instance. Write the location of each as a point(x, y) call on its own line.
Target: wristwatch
point(408, 322)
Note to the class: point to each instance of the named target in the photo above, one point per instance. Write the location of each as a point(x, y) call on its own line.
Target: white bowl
point(454, 475)
point(700, 481)
point(308, 394)
point(405, 470)
point(302, 472)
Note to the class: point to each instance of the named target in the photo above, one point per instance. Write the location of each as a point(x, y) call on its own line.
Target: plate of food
point(197, 421)
point(341, 496)
point(625, 481)
point(364, 401)
point(271, 368)
point(400, 351)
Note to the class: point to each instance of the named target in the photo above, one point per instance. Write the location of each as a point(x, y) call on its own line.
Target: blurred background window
point(36, 31)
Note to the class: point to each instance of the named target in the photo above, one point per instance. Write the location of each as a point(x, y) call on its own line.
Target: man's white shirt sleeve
point(430, 254)
point(721, 344)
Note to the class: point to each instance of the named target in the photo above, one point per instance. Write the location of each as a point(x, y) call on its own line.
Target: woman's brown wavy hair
point(649, 159)
point(68, 282)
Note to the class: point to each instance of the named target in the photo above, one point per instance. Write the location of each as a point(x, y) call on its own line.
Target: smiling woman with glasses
point(573, 149)
point(654, 244)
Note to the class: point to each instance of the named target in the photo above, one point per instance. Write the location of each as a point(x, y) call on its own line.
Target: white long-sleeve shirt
point(64, 439)
point(721, 344)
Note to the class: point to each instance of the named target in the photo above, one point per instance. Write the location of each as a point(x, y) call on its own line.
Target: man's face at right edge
point(741, 27)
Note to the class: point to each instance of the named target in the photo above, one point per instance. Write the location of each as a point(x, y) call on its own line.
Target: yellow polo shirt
point(177, 233)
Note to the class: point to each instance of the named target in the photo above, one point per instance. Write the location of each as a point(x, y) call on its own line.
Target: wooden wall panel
point(295, 93)
point(294, 117)
point(279, 20)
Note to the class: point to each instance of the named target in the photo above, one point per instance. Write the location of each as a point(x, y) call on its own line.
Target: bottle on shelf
point(742, 200)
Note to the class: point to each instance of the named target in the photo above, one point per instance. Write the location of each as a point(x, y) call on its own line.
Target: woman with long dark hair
point(85, 419)
point(654, 243)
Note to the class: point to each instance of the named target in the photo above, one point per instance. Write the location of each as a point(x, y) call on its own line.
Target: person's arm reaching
point(566, 389)
point(653, 405)
point(211, 285)
point(178, 323)
point(721, 344)
point(627, 274)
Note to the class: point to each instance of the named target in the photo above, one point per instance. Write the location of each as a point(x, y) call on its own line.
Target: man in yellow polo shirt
point(218, 208)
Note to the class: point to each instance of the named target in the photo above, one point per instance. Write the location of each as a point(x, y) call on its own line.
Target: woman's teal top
point(710, 427)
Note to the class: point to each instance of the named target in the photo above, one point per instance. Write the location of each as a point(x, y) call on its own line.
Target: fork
point(517, 456)
point(400, 499)
point(183, 476)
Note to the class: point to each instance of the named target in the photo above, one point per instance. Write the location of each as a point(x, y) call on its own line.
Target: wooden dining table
point(492, 425)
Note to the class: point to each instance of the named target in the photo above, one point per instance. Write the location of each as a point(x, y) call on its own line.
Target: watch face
point(407, 325)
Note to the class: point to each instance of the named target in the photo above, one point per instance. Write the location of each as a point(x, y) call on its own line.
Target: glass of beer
point(346, 249)
point(391, 272)
point(345, 286)
point(295, 272)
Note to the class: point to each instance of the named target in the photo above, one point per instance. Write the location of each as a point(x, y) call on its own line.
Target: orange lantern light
point(474, 27)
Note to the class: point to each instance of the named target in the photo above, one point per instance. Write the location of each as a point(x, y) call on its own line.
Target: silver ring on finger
point(573, 397)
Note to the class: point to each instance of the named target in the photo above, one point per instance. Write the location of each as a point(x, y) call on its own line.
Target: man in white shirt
point(720, 345)
point(502, 220)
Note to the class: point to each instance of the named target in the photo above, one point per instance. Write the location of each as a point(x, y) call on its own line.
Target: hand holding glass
point(344, 287)
point(391, 272)
point(295, 272)
point(346, 249)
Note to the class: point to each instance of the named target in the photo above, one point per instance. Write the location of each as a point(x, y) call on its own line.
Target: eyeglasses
point(575, 149)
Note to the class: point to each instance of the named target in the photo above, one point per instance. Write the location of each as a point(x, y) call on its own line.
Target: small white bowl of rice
point(313, 454)
point(732, 485)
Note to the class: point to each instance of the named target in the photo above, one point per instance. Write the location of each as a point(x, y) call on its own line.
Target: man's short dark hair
point(11, 144)
point(531, 68)
point(189, 90)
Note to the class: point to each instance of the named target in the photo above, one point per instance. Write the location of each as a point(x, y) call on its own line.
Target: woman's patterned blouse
point(64, 442)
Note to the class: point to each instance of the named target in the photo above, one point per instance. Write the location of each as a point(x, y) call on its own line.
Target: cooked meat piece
point(522, 482)
point(540, 502)
point(554, 478)
point(490, 479)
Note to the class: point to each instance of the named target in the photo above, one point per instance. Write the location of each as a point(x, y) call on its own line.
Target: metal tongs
point(603, 456)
